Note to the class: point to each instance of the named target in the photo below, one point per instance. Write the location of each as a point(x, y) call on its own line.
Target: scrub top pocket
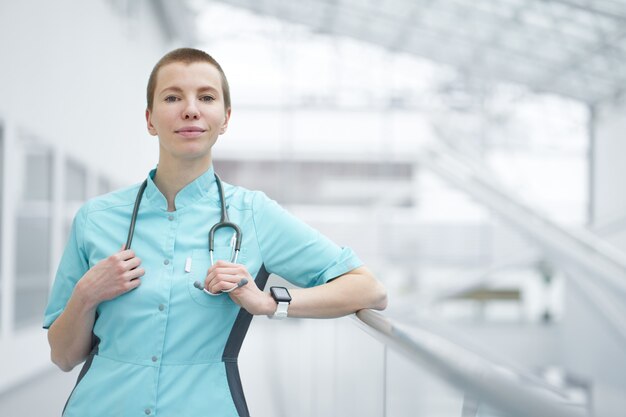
point(200, 264)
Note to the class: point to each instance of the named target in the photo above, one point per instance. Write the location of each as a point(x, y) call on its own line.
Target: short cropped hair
point(186, 56)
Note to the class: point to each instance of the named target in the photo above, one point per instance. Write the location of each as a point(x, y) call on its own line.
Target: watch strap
point(281, 310)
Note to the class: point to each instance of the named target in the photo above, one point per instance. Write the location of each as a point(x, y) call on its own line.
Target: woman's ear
point(225, 124)
point(150, 126)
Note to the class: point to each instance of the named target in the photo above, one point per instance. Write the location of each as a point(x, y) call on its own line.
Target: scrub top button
point(154, 359)
point(170, 218)
point(147, 411)
point(166, 262)
point(161, 307)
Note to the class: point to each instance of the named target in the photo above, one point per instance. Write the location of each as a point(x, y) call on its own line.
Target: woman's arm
point(346, 294)
point(70, 334)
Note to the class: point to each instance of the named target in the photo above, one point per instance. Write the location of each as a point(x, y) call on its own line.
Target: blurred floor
point(43, 396)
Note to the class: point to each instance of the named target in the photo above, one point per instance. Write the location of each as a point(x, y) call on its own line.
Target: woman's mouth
point(190, 131)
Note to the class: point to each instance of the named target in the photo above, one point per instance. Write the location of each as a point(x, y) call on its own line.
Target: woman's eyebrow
point(177, 89)
point(208, 88)
point(172, 88)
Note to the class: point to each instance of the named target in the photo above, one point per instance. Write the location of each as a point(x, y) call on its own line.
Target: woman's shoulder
point(244, 198)
point(117, 198)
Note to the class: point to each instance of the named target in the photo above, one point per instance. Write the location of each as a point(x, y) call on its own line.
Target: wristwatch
point(283, 298)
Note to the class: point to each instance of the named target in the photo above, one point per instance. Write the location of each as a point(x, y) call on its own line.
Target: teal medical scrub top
point(166, 348)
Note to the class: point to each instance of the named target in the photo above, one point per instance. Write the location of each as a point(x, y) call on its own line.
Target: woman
point(160, 325)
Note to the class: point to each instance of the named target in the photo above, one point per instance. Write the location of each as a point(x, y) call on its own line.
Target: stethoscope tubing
point(224, 222)
point(133, 218)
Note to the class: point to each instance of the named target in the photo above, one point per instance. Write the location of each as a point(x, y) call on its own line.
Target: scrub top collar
point(200, 188)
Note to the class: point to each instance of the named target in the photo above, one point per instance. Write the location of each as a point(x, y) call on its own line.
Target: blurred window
point(104, 185)
point(33, 236)
point(37, 186)
point(75, 181)
point(32, 268)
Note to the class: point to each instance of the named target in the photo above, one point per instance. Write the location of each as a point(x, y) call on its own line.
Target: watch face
point(280, 294)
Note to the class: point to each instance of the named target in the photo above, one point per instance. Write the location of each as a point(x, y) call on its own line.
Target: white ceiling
point(575, 48)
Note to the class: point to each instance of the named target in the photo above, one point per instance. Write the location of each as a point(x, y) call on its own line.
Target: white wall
point(74, 73)
point(73, 77)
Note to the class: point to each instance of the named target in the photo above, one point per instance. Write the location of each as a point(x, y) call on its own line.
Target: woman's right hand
point(110, 278)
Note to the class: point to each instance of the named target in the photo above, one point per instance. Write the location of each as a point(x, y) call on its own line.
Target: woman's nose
point(191, 111)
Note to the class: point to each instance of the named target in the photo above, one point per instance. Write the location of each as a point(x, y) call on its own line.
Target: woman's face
point(188, 112)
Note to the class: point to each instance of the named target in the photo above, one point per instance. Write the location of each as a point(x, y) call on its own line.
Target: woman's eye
point(171, 99)
point(207, 98)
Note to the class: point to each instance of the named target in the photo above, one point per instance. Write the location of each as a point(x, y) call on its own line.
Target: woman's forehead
point(196, 75)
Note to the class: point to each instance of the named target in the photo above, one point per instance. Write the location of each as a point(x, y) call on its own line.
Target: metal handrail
point(494, 384)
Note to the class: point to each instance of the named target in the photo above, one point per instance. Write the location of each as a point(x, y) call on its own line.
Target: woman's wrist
point(84, 297)
point(269, 305)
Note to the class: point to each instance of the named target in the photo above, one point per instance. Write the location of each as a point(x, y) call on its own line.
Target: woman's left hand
point(225, 275)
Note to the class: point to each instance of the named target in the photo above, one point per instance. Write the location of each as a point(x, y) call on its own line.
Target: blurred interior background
point(471, 152)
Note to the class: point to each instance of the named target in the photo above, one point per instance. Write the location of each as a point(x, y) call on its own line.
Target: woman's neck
point(173, 176)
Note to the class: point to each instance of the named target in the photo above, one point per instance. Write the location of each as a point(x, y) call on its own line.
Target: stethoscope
point(224, 222)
